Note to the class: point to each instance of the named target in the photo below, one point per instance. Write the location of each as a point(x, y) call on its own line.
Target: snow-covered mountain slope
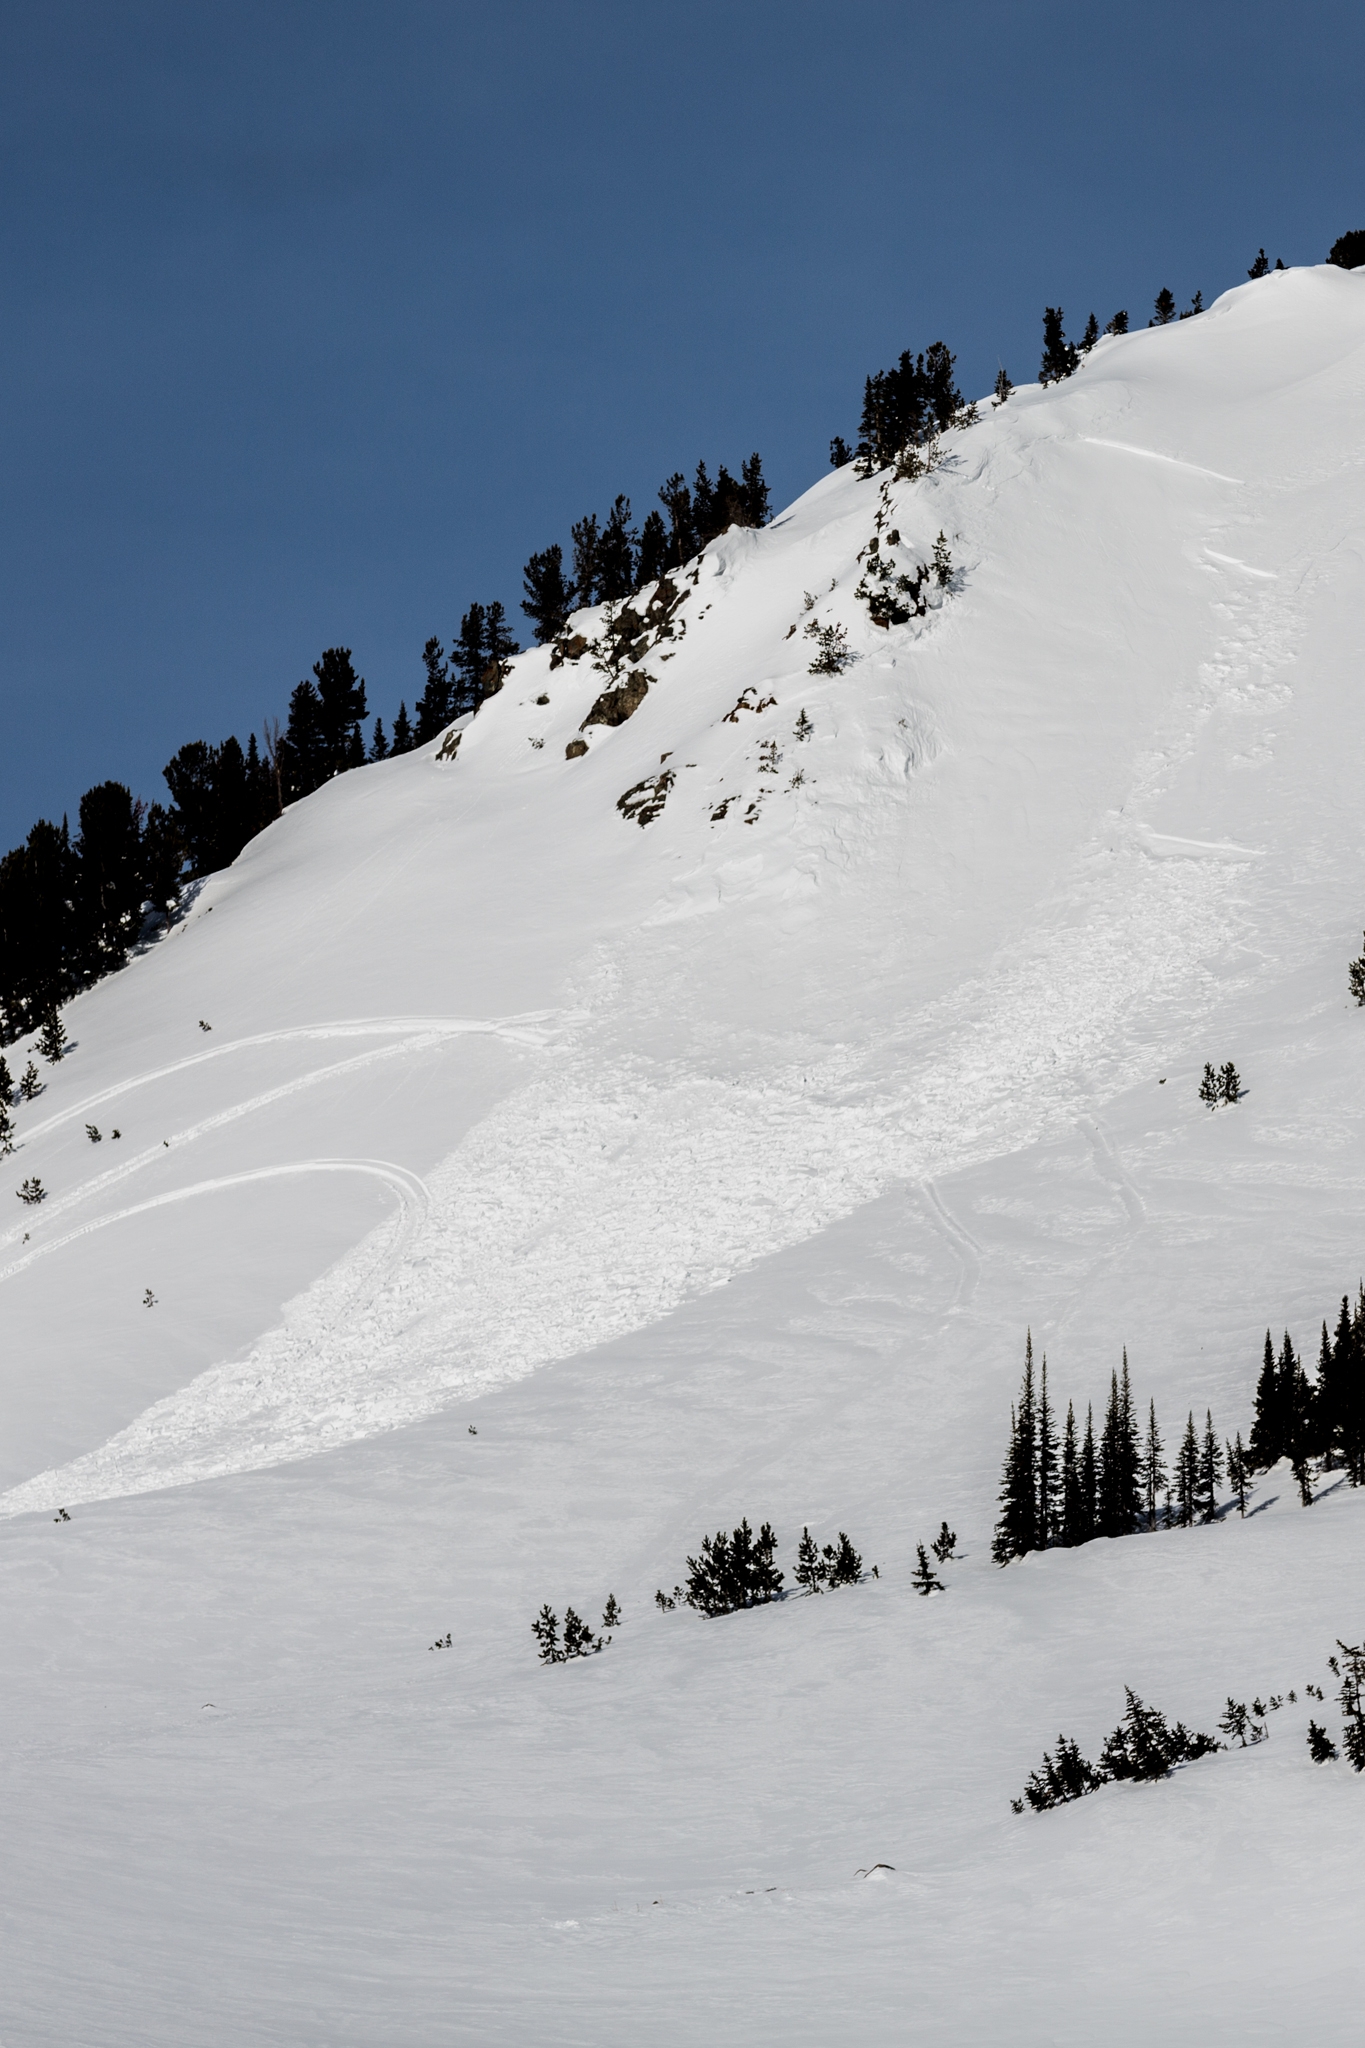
point(714, 1165)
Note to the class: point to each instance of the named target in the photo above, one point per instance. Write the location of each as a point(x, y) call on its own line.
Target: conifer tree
point(379, 745)
point(1119, 323)
point(1267, 1430)
point(652, 560)
point(1016, 1530)
point(1165, 309)
point(1351, 1700)
point(1091, 335)
point(840, 454)
point(1347, 252)
point(811, 1572)
point(1209, 1090)
point(1074, 1518)
point(1261, 266)
point(944, 1544)
point(585, 543)
point(1238, 1472)
point(845, 1565)
point(402, 731)
point(545, 1629)
point(30, 1087)
point(753, 492)
point(1049, 1478)
point(1003, 386)
point(1210, 1471)
point(6, 1083)
point(6, 1127)
point(52, 1039)
point(1321, 1747)
point(922, 1578)
point(549, 596)
point(1153, 1467)
point(1090, 1478)
point(616, 554)
point(438, 703)
point(1059, 355)
point(1229, 1083)
point(1187, 1477)
point(676, 499)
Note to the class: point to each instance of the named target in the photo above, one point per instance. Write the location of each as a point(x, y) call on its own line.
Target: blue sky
point(320, 318)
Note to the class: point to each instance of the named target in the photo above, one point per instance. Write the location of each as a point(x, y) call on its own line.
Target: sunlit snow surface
point(715, 1168)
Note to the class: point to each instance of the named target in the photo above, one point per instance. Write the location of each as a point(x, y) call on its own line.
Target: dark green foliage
point(922, 1578)
point(1209, 1091)
point(1153, 1467)
point(1195, 307)
point(1144, 1747)
point(840, 453)
point(549, 595)
point(579, 1640)
point(734, 1571)
point(833, 654)
point(322, 737)
point(1078, 1521)
point(1165, 309)
point(545, 1629)
point(676, 500)
point(1060, 358)
point(1091, 335)
point(52, 1039)
point(1321, 1747)
point(1355, 978)
point(1187, 1477)
point(906, 406)
point(1016, 1531)
point(1047, 1513)
point(1229, 1083)
point(436, 706)
point(584, 535)
point(1003, 386)
point(30, 1087)
point(845, 1567)
point(1119, 323)
point(6, 1126)
point(1119, 1478)
point(6, 1081)
point(942, 563)
point(1260, 266)
point(1351, 1700)
point(616, 554)
point(1210, 1472)
point(379, 745)
point(1348, 250)
point(612, 1616)
point(1060, 1778)
point(31, 1191)
point(944, 1544)
point(810, 1570)
point(1239, 1472)
point(402, 731)
point(653, 558)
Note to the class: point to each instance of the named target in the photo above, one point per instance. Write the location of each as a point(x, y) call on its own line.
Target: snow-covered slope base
point(714, 1165)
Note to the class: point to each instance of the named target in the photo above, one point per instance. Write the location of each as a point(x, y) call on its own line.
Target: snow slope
point(715, 1167)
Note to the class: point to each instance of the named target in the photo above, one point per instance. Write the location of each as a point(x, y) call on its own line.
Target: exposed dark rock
point(449, 747)
point(616, 705)
point(574, 749)
point(644, 802)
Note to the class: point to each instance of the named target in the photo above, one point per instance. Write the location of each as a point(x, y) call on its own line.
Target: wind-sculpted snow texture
point(707, 1167)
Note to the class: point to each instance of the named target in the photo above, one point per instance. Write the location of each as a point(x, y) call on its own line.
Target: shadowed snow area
point(708, 1167)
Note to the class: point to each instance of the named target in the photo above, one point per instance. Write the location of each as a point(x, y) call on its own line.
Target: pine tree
point(30, 1087)
point(811, 1572)
point(545, 1629)
point(1238, 1472)
point(1187, 1477)
point(585, 542)
point(1073, 1515)
point(1261, 266)
point(52, 1039)
point(6, 1082)
point(1209, 1090)
point(1120, 1498)
point(1348, 1366)
point(652, 560)
point(6, 1127)
point(1210, 1471)
point(676, 499)
point(753, 492)
point(611, 1613)
point(549, 596)
point(1355, 979)
point(1347, 252)
point(402, 731)
point(1351, 1700)
point(616, 554)
point(379, 745)
point(922, 1578)
point(1229, 1083)
point(1059, 356)
point(1049, 1478)
point(1003, 386)
point(1153, 1467)
point(438, 703)
point(942, 564)
point(944, 1544)
point(499, 647)
point(579, 1640)
point(1016, 1532)
point(840, 454)
point(1119, 323)
point(1090, 1478)
point(845, 1565)
point(1091, 335)
point(1165, 309)
point(1267, 1430)
point(1321, 1747)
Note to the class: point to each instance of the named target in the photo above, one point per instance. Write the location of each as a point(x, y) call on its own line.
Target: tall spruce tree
point(652, 561)
point(1267, 1444)
point(1187, 1477)
point(1059, 355)
point(549, 595)
point(1210, 1471)
point(1090, 1478)
point(1153, 1467)
point(1165, 308)
point(436, 706)
point(616, 554)
point(1049, 1477)
point(1074, 1519)
point(1016, 1531)
point(585, 572)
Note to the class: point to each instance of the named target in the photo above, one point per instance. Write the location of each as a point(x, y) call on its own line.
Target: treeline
point(611, 560)
point(1060, 1488)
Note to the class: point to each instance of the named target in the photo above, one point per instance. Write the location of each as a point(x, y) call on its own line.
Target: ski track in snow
point(598, 1197)
point(410, 1190)
point(521, 1257)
